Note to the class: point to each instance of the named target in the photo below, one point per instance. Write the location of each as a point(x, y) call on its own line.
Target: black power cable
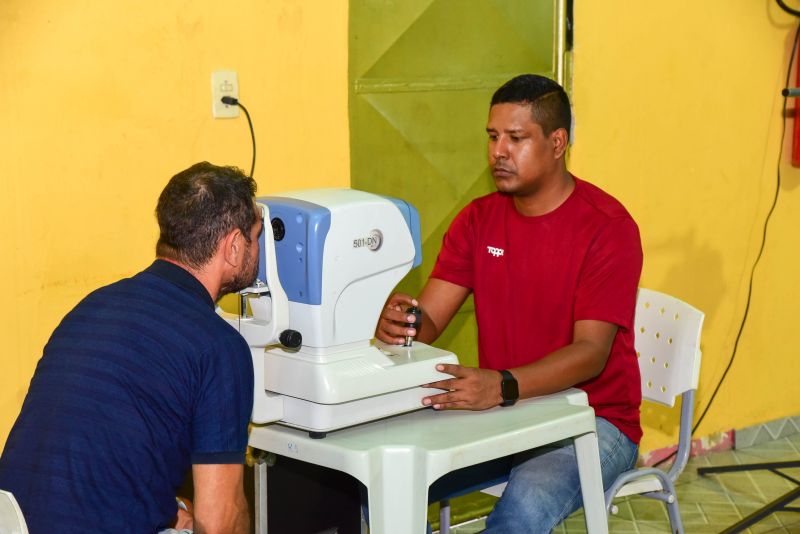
point(761, 247)
point(229, 100)
point(788, 9)
point(763, 235)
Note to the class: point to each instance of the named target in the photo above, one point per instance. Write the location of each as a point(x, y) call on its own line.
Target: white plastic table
point(398, 458)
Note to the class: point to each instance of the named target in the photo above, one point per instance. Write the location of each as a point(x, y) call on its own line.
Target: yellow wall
point(679, 115)
point(103, 101)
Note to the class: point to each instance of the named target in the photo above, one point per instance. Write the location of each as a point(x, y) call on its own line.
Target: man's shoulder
point(149, 303)
point(128, 296)
point(490, 199)
point(485, 204)
point(129, 287)
point(601, 202)
point(477, 213)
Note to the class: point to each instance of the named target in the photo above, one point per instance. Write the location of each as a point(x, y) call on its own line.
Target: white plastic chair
point(667, 340)
point(668, 347)
point(11, 520)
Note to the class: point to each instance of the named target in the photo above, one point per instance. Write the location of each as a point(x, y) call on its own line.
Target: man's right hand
point(438, 301)
point(393, 323)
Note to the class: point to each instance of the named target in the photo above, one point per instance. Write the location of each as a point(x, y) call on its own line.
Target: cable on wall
point(788, 9)
point(763, 235)
point(229, 100)
point(763, 241)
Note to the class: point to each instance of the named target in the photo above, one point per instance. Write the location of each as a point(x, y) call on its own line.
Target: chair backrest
point(667, 340)
point(11, 520)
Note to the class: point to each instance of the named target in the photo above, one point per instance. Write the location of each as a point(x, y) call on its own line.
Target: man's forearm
point(577, 362)
point(238, 523)
point(242, 525)
point(220, 506)
point(427, 332)
point(439, 302)
point(559, 370)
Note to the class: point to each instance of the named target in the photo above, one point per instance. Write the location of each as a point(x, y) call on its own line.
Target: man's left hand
point(185, 518)
point(469, 389)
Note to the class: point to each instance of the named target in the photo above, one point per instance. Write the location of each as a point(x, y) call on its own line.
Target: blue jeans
point(544, 487)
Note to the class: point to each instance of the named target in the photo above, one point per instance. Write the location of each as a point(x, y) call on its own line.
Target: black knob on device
point(417, 313)
point(291, 339)
point(278, 228)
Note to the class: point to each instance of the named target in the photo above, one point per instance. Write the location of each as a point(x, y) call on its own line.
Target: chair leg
point(676, 526)
point(444, 517)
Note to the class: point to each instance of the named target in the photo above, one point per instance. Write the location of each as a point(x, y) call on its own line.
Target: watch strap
point(509, 389)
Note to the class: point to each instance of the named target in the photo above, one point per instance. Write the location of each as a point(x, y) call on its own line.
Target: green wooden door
point(421, 75)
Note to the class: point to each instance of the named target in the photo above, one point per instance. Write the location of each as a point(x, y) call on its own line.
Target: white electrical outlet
point(224, 83)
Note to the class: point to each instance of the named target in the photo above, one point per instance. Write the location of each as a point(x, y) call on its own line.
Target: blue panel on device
point(411, 216)
point(300, 229)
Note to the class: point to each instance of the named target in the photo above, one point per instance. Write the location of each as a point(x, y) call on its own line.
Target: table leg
point(588, 456)
point(397, 492)
point(260, 483)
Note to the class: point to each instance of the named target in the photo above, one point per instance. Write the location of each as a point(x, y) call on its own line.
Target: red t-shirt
point(533, 277)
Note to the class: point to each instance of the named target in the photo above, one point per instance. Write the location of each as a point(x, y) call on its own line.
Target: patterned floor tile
point(708, 503)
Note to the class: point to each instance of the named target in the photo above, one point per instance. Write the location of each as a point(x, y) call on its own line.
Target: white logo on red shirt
point(494, 251)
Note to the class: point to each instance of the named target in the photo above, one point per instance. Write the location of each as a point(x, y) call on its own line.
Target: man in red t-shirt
point(553, 263)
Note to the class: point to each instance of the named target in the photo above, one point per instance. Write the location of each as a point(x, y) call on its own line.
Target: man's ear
point(560, 142)
point(233, 247)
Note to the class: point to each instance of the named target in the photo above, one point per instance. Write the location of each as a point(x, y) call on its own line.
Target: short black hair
point(198, 207)
point(548, 101)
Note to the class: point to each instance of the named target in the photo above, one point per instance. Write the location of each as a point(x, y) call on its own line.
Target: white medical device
point(329, 259)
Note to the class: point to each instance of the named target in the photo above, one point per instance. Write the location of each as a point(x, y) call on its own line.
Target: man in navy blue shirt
point(143, 380)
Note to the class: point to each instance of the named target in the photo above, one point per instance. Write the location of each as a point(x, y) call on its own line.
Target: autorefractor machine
point(328, 260)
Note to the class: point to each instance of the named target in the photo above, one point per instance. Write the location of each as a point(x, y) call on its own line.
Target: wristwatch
point(509, 389)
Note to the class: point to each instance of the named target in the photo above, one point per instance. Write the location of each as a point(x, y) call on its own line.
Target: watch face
point(509, 389)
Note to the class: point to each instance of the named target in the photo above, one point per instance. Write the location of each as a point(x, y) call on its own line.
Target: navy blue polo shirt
point(139, 381)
